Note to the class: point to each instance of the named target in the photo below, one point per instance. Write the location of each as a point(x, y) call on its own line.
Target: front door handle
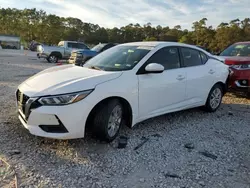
point(180, 77)
point(211, 71)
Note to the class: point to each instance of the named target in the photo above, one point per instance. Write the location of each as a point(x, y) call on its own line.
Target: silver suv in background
point(63, 51)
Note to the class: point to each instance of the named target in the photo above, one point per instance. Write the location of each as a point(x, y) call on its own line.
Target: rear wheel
point(108, 120)
point(214, 99)
point(52, 59)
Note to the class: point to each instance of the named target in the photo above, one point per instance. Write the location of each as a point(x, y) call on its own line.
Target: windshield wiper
point(94, 67)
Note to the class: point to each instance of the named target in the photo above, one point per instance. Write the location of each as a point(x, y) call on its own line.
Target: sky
point(117, 13)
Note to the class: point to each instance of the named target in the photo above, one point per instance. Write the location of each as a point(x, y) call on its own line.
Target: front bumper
point(42, 55)
point(240, 80)
point(58, 122)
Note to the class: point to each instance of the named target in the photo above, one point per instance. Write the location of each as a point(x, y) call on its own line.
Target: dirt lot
point(185, 149)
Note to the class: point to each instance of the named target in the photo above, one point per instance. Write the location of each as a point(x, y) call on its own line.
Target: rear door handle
point(211, 71)
point(180, 77)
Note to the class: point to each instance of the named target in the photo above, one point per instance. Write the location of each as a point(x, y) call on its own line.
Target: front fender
point(125, 86)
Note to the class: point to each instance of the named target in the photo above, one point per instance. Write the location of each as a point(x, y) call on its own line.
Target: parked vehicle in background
point(123, 85)
point(62, 51)
point(237, 56)
point(102, 47)
point(33, 46)
point(79, 57)
point(8, 46)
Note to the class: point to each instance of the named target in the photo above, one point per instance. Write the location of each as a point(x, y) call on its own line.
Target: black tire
point(52, 59)
point(101, 120)
point(208, 106)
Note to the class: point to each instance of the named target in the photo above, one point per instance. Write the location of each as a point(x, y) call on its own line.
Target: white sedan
point(121, 86)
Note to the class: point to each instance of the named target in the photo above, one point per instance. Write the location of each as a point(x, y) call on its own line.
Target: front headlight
point(241, 67)
point(64, 99)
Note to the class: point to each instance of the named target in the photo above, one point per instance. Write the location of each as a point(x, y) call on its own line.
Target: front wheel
point(214, 99)
point(52, 59)
point(108, 120)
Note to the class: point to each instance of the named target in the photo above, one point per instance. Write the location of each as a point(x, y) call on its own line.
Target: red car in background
point(237, 57)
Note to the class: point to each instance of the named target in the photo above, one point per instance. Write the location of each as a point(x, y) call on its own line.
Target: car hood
point(65, 79)
point(86, 52)
point(235, 60)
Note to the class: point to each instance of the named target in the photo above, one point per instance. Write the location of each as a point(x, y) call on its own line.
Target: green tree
point(227, 34)
point(150, 39)
point(33, 24)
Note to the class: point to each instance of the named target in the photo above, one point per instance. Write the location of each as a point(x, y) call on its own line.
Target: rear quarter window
point(204, 57)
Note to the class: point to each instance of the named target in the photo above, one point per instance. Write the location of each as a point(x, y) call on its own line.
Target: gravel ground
point(179, 150)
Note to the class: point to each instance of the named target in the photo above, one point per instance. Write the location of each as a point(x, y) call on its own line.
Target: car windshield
point(118, 58)
point(98, 47)
point(237, 50)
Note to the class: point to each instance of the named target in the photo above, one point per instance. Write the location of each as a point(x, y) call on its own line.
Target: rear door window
point(191, 57)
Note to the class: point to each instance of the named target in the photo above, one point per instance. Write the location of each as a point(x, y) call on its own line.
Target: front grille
point(18, 95)
point(21, 101)
point(22, 117)
point(25, 99)
point(25, 104)
point(21, 97)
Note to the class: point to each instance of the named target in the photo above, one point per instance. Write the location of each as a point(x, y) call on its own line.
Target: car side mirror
point(154, 68)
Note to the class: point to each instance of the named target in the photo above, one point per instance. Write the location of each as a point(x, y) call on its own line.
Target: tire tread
point(101, 119)
point(207, 106)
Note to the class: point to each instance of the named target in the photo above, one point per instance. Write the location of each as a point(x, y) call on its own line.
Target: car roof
point(73, 41)
point(245, 42)
point(148, 43)
point(159, 43)
point(163, 43)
